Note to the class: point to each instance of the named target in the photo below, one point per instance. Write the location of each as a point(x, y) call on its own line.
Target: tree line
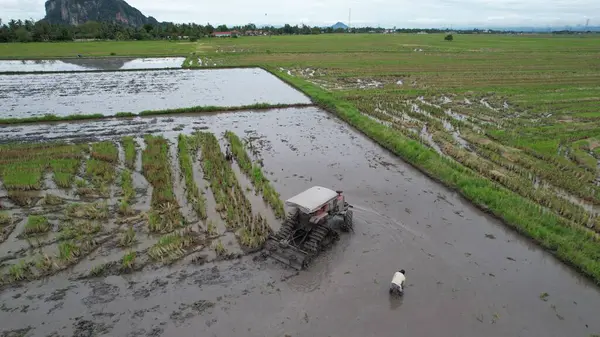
point(43, 31)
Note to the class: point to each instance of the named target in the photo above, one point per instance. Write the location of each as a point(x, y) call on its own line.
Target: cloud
point(385, 13)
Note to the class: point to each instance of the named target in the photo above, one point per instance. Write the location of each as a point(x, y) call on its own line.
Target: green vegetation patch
point(232, 204)
point(68, 252)
point(23, 177)
point(260, 182)
point(165, 219)
point(19, 271)
point(193, 195)
point(5, 219)
point(157, 170)
point(100, 173)
point(36, 225)
point(129, 147)
point(190, 110)
point(164, 216)
point(210, 108)
point(65, 171)
point(171, 247)
point(45, 264)
point(89, 211)
point(128, 261)
point(79, 228)
point(22, 165)
point(128, 238)
point(49, 118)
point(255, 234)
point(126, 183)
point(106, 151)
point(219, 248)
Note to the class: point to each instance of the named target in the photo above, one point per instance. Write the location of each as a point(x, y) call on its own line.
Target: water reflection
point(28, 95)
point(83, 64)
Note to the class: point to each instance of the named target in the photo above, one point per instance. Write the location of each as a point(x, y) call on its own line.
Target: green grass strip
point(573, 245)
point(127, 186)
point(157, 169)
point(210, 108)
point(193, 195)
point(128, 144)
point(49, 118)
point(105, 151)
point(196, 109)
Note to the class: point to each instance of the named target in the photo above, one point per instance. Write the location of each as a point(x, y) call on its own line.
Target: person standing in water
point(397, 286)
point(228, 155)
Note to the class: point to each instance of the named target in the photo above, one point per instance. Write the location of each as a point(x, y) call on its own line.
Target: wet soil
point(87, 64)
point(29, 95)
point(467, 274)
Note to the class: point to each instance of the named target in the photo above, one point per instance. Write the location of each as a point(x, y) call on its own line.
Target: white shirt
point(399, 279)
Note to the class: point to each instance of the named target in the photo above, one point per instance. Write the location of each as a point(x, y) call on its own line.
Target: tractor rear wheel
point(348, 220)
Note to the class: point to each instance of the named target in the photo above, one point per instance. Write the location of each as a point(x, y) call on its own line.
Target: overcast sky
point(387, 13)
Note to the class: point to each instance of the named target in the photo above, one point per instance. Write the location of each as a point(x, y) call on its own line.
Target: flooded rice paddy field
point(87, 64)
point(468, 275)
point(551, 158)
point(30, 95)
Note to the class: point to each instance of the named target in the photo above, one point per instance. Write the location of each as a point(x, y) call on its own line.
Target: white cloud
point(387, 13)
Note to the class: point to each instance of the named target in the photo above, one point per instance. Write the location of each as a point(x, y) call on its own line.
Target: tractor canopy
point(312, 199)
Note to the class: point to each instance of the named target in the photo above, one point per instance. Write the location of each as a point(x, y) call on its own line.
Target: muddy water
point(467, 274)
point(83, 64)
point(108, 93)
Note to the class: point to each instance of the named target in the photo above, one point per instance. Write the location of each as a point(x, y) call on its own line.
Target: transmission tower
point(349, 18)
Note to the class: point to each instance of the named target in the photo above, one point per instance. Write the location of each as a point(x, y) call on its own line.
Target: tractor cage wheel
point(348, 221)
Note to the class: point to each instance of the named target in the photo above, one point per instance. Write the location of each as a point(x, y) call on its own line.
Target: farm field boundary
point(199, 109)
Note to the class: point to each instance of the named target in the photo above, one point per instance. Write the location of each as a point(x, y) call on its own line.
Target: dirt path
point(468, 275)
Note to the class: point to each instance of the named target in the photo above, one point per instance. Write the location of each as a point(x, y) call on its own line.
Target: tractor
point(318, 216)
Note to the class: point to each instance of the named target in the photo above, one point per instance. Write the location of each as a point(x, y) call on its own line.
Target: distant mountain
point(76, 12)
point(339, 25)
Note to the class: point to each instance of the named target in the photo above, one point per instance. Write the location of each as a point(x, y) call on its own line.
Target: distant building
point(223, 34)
point(255, 33)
